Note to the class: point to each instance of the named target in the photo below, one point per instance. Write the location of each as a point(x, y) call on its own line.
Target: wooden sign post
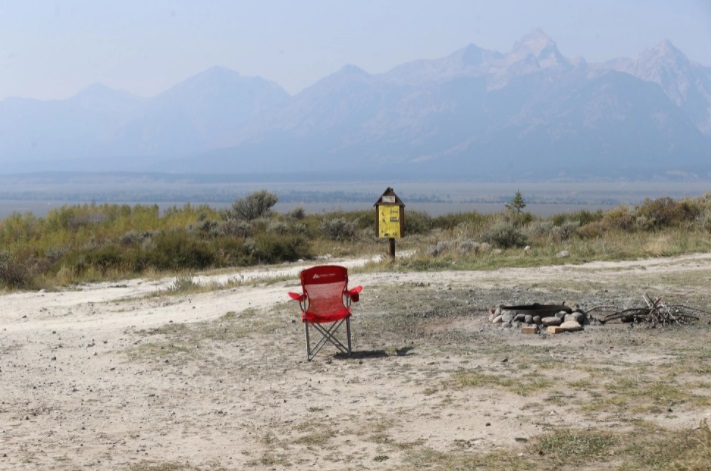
point(390, 218)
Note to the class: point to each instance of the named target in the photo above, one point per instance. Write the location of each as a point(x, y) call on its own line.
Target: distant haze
point(39, 194)
point(53, 50)
point(527, 113)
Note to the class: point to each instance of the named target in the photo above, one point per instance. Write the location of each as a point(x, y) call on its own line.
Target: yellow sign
point(389, 221)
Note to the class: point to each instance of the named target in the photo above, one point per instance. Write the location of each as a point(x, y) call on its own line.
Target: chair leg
point(327, 335)
point(348, 331)
point(308, 345)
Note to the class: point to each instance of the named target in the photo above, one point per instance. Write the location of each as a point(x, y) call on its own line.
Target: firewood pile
point(656, 312)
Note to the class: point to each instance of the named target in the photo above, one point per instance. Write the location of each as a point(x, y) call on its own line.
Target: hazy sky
point(53, 49)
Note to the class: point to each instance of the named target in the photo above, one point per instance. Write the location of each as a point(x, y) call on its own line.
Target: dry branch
point(656, 312)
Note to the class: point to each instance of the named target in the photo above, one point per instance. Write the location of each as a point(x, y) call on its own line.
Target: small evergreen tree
point(517, 203)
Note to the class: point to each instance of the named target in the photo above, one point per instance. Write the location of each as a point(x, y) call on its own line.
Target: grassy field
point(102, 242)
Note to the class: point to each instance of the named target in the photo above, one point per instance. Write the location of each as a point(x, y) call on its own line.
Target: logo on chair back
point(325, 275)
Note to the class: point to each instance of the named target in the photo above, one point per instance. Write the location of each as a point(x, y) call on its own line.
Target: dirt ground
point(129, 376)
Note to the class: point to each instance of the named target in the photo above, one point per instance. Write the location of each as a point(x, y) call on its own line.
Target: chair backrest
point(324, 286)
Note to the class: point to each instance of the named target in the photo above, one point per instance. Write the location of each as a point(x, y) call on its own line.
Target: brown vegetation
point(95, 242)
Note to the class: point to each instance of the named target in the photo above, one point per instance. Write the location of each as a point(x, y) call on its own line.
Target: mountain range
point(530, 113)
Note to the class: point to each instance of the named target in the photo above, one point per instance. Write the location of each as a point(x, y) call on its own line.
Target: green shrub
point(230, 251)
point(468, 246)
point(274, 248)
point(565, 231)
point(102, 260)
point(705, 220)
point(583, 217)
point(363, 219)
point(547, 230)
point(665, 212)
point(643, 223)
point(592, 230)
point(338, 228)
point(439, 248)
point(14, 273)
point(505, 234)
point(297, 214)
point(177, 250)
point(417, 222)
point(205, 228)
point(517, 219)
point(253, 206)
point(450, 221)
point(54, 254)
point(105, 259)
point(133, 238)
point(277, 227)
point(235, 228)
point(619, 219)
point(19, 228)
point(259, 225)
point(540, 229)
point(299, 229)
point(184, 284)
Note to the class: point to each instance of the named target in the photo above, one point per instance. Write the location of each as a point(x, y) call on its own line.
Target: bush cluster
point(665, 212)
point(253, 206)
point(92, 241)
point(505, 234)
point(14, 273)
point(338, 228)
point(96, 241)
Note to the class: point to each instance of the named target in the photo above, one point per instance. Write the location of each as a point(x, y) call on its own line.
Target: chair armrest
point(354, 293)
point(297, 296)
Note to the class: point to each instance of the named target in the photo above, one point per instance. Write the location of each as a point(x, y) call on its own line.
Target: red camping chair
point(326, 300)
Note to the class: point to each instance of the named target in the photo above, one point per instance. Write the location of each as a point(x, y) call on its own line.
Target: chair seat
point(321, 318)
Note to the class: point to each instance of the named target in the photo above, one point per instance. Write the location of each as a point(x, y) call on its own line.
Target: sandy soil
point(126, 376)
